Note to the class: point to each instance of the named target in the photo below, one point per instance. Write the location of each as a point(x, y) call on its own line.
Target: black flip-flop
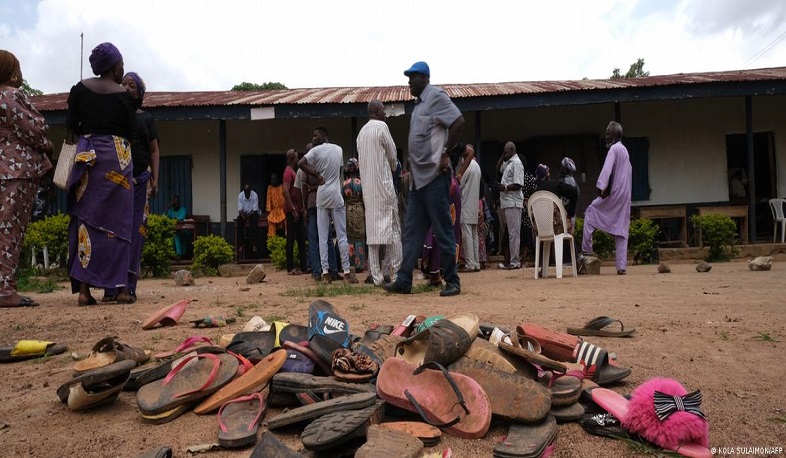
point(24, 301)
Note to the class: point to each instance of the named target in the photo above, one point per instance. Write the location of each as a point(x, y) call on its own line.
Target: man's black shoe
point(450, 290)
point(396, 288)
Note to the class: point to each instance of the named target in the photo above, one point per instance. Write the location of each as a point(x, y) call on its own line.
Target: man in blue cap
point(434, 129)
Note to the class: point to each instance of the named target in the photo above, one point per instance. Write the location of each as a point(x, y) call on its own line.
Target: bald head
point(509, 151)
point(376, 110)
point(292, 157)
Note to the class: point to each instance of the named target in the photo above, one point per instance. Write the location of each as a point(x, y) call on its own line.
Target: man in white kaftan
point(377, 161)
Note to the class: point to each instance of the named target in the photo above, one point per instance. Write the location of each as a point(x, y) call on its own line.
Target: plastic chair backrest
point(776, 205)
point(541, 211)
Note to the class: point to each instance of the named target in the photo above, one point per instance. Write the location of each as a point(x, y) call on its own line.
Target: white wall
point(687, 156)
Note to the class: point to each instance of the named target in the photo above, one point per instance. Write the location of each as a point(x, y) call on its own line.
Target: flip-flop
point(29, 349)
point(450, 401)
point(680, 428)
point(484, 351)
point(382, 441)
point(429, 435)
point(143, 375)
point(319, 409)
point(353, 367)
point(24, 301)
point(564, 347)
point(187, 383)
point(512, 395)
point(238, 420)
point(253, 345)
point(529, 350)
point(270, 446)
point(167, 416)
point(336, 429)
point(97, 387)
point(158, 452)
point(187, 345)
point(565, 387)
point(108, 351)
point(527, 441)
point(443, 342)
point(254, 379)
point(166, 316)
point(297, 361)
point(567, 413)
point(212, 322)
point(294, 382)
point(596, 327)
point(327, 331)
point(319, 363)
point(295, 333)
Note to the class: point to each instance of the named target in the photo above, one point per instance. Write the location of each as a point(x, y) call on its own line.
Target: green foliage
point(50, 232)
point(212, 251)
point(717, 232)
point(636, 70)
point(277, 246)
point(159, 247)
point(642, 240)
point(244, 86)
point(602, 243)
point(29, 91)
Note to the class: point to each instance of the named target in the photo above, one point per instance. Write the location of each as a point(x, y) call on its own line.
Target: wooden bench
point(732, 211)
point(678, 212)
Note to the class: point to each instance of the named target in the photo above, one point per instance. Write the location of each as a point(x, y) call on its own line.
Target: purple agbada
point(101, 192)
point(612, 214)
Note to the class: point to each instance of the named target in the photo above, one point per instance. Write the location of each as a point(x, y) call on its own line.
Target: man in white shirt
point(511, 200)
point(248, 213)
point(470, 195)
point(324, 162)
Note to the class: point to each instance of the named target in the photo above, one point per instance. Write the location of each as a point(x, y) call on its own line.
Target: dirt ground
point(722, 332)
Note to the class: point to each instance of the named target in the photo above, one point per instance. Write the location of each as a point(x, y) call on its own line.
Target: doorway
point(765, 175)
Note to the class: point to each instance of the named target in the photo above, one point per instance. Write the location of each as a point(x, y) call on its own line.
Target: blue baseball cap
point(418, 67)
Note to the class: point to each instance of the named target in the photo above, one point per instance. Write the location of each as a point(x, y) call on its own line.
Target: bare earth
point(703, 329)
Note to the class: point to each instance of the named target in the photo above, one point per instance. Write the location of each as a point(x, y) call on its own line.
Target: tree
point(636, 70)
point(29, 91)
point(244, 86)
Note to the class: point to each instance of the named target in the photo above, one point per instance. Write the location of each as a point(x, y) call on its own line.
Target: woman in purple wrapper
point(100, 187)
point(145, 156)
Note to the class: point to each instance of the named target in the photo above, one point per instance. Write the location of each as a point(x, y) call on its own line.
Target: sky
point(203, 45)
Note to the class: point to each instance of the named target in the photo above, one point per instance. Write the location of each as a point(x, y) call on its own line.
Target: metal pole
point(222, 171)
point(81, 54)
point(751, 165)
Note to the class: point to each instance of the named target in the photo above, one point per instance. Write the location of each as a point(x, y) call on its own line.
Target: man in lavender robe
point(610, 212)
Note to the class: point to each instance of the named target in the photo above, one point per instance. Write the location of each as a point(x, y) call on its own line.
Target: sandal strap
point(249, 397)
point(459, 395)
point(175, 370)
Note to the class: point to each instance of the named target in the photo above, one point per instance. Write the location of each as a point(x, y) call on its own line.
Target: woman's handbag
point(65, 162)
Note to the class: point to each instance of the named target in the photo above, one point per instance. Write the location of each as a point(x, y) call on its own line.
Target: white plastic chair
point(541, 207)
point(776, 205)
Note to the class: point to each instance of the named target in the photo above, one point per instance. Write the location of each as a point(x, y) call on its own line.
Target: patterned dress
point(22, 164)
point(356, 222)
point(276, 219)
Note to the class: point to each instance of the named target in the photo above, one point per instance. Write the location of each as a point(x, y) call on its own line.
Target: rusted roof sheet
point(339, 95)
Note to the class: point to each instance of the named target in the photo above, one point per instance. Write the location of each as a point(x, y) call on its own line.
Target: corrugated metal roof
point(339, 95)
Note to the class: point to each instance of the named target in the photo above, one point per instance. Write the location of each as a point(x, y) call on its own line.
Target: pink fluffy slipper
point(662, 411)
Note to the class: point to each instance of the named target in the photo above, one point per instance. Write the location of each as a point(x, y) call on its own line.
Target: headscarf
point(140, 84)
point(103, 57)
point(10, 71)
point(568, 164)
point(541, 171)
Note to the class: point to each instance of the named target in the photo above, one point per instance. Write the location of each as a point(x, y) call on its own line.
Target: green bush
point(602, 243)
point(50, 232)
point(642, 240)
point(159, 247)
point(277, 246)
point(718, 232)
point(212, 251)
